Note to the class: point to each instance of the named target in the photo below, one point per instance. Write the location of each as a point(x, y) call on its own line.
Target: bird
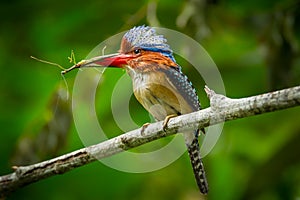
point(159, 84)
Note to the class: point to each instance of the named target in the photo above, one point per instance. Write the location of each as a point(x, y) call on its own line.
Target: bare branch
point(222, 109)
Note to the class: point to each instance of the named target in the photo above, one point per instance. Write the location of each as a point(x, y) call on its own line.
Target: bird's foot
point(167, 119)
point(144, 127)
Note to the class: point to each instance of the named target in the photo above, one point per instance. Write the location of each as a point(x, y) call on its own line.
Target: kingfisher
point(158, 84)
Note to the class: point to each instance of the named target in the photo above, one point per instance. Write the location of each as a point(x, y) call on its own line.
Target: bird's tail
point(198, 168)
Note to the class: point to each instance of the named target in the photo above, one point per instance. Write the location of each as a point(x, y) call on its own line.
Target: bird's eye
point(137, 51)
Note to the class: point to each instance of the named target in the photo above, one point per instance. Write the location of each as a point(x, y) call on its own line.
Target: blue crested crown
point(145, 37)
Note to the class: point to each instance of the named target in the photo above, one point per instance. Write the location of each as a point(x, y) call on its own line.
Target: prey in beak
point(111, 60)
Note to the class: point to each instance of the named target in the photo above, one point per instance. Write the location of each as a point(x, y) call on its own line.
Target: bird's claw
point(144, 127)
point(166, 120)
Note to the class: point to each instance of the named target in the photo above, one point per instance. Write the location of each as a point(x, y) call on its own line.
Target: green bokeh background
point(254, 44)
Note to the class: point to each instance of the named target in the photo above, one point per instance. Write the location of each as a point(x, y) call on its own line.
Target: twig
point(222, 109)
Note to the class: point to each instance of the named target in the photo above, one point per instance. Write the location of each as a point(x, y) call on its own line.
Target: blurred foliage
point(255, 45)
point(48, 134)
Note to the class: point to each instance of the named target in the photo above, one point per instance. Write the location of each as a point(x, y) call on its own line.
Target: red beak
point(111, 60)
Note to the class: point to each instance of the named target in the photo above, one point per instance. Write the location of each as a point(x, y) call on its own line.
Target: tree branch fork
point(221, 109)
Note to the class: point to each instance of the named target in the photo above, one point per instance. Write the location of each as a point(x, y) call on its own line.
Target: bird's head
point(141, 48)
